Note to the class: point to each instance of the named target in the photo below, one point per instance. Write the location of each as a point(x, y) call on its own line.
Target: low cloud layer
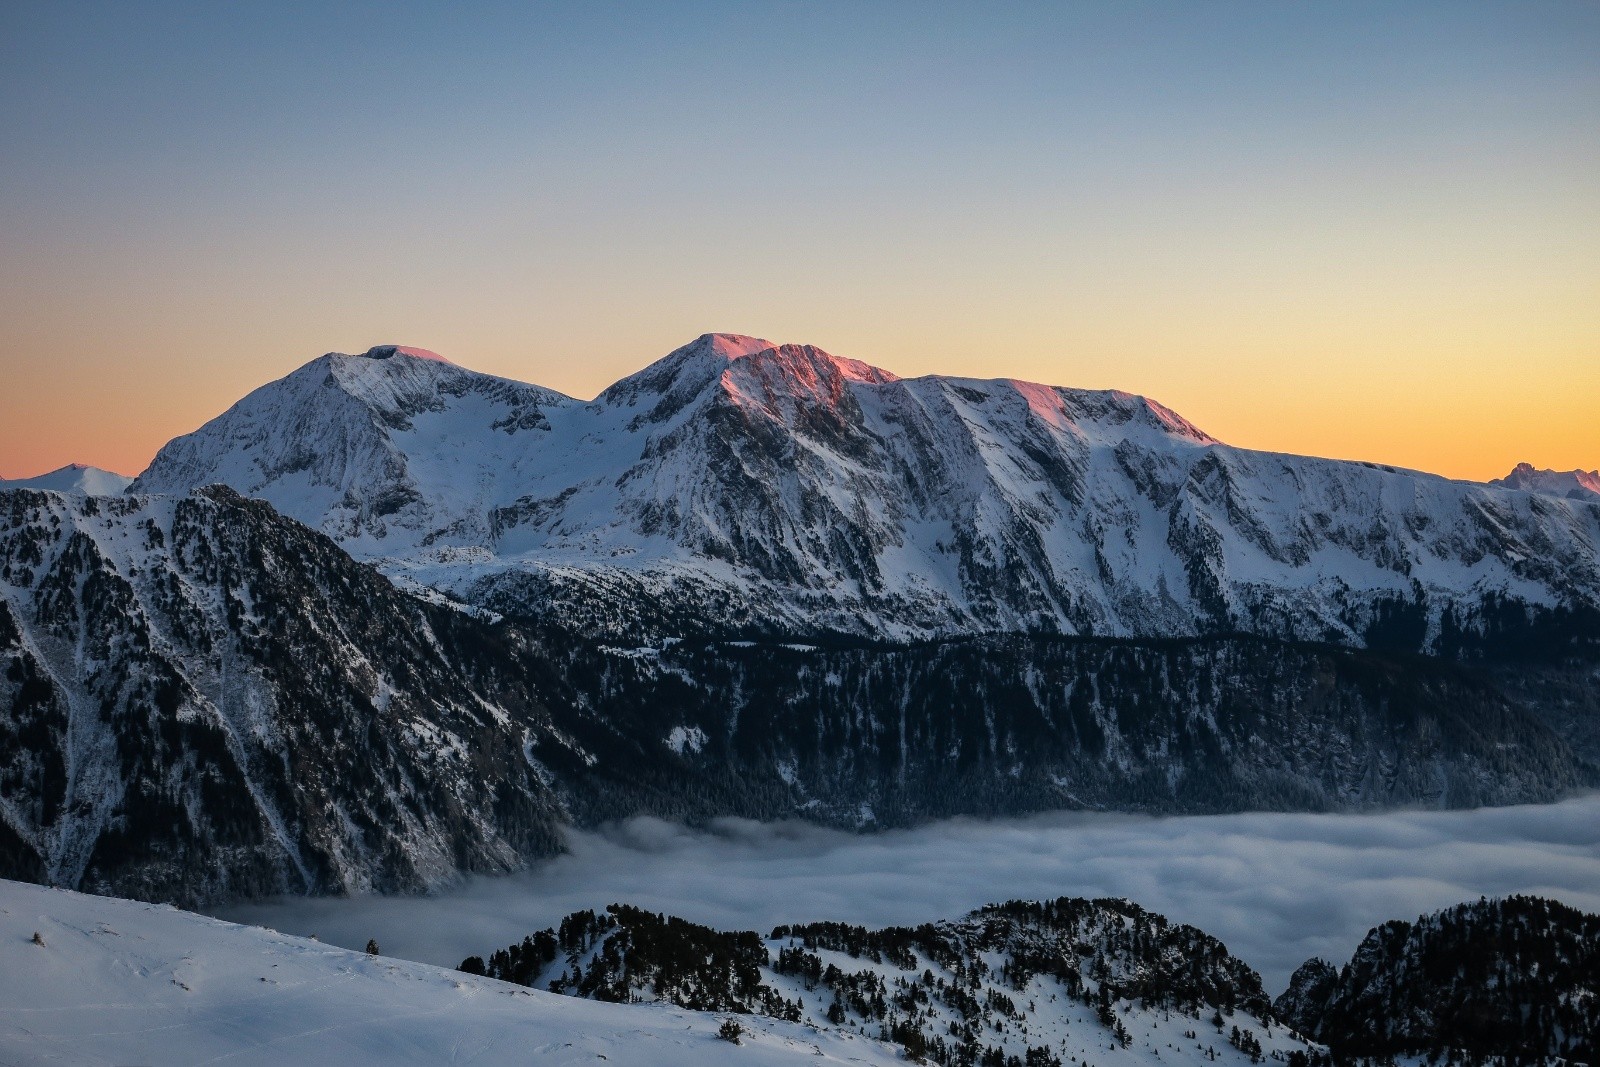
point(1276, 888)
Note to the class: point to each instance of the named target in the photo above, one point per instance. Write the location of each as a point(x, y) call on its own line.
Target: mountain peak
point(684, 372)
point(735, 347)
point(730, 346)
point(390, 351)
point(1577, 484)
point(73, 478)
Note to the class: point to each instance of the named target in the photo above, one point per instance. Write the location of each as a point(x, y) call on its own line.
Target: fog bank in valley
point(1276, 888)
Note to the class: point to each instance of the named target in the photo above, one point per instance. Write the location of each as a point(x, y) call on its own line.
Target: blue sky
point(1353, 229)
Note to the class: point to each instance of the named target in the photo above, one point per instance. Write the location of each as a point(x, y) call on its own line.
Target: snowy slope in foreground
point(122, 982)
point(73, 478)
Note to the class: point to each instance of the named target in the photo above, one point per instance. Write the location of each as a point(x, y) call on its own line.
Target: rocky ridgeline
point(1102, 981)
point(741, 488)
point(1040, 984)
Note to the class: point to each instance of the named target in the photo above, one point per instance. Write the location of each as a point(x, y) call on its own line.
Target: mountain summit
point(390, 351)
point(741, 486)
point(75, 478)
point(1574, 484)
point(359, 444)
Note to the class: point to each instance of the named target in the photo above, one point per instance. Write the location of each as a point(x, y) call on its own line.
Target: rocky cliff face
point(204, 699)
point(738, 487)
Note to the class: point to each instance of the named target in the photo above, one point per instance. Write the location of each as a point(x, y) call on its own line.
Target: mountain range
point(209, 701)
point(742, 488)
point(752, 580)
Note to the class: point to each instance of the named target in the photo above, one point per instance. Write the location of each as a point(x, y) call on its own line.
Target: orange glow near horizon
point(1367, 234)
point(1467, 421)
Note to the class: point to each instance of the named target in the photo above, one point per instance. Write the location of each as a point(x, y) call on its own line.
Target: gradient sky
point(1358, 230)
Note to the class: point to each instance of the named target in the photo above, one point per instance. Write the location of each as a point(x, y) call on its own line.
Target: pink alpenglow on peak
point(389, 351)
point(801, 359)
point(1575, 484)
point(798, 490)
point(730, 346)
point(801, 373)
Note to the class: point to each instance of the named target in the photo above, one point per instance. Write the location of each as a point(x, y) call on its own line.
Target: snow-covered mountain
point(73, 478)
point(115, 982)
point(210, 699)
point(390, 451)
point(204, 699)
point(1574, 484)
point(741, 486)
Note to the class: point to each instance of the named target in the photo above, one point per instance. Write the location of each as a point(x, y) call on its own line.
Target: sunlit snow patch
point(686, 738)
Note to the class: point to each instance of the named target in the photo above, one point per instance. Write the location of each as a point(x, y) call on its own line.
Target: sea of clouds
point(1276, 888)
